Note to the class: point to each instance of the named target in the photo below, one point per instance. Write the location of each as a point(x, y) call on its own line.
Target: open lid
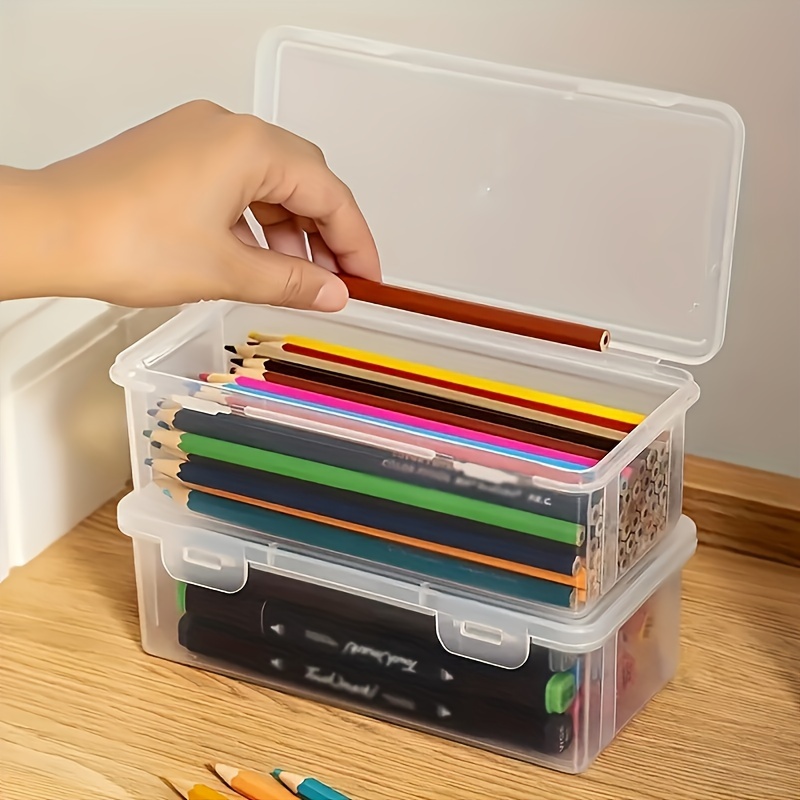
point(586, 201)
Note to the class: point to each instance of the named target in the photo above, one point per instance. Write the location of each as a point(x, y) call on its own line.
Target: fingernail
point(331, 297)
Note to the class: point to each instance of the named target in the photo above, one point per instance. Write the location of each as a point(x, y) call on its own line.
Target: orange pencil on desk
point(252, 785)
point(194, 791)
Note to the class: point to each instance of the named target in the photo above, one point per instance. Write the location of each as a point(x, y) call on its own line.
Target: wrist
point(37, 240)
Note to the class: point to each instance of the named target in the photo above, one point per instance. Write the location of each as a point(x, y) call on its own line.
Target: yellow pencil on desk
point(194, 791)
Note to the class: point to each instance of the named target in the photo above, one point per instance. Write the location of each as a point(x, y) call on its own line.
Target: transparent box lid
point(578, 199)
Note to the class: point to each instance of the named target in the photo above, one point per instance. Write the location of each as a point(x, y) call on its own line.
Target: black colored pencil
point(372, 512)
point(313, 446)
point(424, 399)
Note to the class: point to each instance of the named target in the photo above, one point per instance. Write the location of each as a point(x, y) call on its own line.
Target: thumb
point(257, 275)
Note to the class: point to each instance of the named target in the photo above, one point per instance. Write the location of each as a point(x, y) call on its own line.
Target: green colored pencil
point(372, 485)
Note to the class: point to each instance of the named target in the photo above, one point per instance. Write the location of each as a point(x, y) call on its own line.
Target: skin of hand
point(153, 217)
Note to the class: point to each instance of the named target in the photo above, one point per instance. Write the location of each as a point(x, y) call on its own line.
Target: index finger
point(308, 188)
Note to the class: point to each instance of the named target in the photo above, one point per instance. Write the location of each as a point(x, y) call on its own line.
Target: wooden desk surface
point(85, 715)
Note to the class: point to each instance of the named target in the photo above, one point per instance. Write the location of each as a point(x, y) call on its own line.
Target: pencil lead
point(157, 445)
point(151, 412)
point(204, 376)
point(238, 361)
point(147, 433)
point(148, 462)
point(230, 348)
point(163, 424)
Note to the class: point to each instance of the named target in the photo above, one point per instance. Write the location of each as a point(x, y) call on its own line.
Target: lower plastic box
point(540, 688)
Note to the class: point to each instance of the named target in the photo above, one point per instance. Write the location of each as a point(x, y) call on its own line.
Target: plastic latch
point(473, 631)
point(206, 559)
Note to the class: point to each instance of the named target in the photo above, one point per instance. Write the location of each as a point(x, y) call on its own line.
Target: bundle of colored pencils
point(412, 466)
point(281, 785)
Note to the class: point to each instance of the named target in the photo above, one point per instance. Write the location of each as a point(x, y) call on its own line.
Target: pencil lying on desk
point(250, 784)
point(194, 791)
point(307, 788)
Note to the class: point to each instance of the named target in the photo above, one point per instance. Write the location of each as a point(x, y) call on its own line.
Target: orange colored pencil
point(252, 785)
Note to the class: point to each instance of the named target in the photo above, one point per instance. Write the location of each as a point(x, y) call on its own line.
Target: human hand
point(153, 217)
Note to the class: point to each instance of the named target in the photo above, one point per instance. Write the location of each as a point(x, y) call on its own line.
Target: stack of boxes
point(574, 199)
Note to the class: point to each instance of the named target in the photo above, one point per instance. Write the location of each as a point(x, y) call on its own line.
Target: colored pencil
point(593, 413)
point(435, 568)
point(261, 429)
point(326, 371)
point(443, 432)
point(288, 500)
point(374, 486)
point(307, 788)
point(194, 791)
point(514, 465)
point(430, 397)
point(430, 472)
point(250, 784)
point(456, 420)
point(311, 358)
point(469, 313)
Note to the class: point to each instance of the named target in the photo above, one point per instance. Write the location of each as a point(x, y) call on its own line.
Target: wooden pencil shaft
point(371, 516)
point(483, 316)
point(436, 415)
point(617, 418)
point(436, 391)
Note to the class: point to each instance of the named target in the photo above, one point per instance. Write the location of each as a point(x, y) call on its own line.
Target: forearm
point(36, 238)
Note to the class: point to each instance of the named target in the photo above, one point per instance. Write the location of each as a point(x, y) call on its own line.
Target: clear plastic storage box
point(585, 201)
point(504, 676)
point(581, 200)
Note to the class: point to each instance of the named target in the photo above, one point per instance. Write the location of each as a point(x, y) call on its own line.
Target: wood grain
point(744, 510)
point(85, 715)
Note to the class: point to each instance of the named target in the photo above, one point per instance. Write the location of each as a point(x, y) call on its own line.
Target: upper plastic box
point(592, 202)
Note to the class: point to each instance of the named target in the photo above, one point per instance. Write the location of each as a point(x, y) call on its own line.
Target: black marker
point(470, 716)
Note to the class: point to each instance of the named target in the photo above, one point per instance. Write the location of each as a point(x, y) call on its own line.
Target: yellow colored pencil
point(495, 387)
point(194, 791)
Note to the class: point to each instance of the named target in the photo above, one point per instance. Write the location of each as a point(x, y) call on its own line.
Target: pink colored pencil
point(417, 422)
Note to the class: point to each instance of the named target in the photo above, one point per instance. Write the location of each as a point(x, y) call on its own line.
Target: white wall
point(84, 70)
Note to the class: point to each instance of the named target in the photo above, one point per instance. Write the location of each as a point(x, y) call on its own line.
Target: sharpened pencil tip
point(225, 772)
point(163, 424)
point(230, 348)
point(147, 433)
point(238, 361)
point(151, 412)
point(203, 376)
point(148, 462)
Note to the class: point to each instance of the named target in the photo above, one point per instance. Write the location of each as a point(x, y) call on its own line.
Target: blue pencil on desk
point(307, 788)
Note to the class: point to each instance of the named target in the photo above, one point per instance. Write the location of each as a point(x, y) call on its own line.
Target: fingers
point(255, 275)
point(297, 178)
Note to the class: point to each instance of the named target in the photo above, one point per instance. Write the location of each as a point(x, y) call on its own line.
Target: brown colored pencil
point(436, 415)
point(484, 316)
point(436, 391)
